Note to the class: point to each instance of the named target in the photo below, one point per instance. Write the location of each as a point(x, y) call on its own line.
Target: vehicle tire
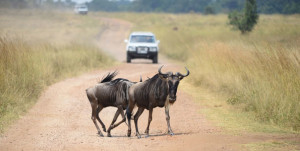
point(154, 60)
point(128, 59)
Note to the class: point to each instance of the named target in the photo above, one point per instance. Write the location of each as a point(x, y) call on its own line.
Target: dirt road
point(61, 118)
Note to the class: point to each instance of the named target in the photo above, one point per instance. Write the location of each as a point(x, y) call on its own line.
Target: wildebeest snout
point(172, 98)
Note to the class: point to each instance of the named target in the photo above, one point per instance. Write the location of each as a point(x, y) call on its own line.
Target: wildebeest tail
point(109, 77)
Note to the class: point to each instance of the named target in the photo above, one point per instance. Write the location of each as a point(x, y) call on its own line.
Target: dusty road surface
point(61, 118)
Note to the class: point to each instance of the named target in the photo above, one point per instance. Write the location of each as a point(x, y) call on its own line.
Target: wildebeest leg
point(112, 123)
point(123, 116)
point(94, 117)
point(98, 118)
point(128, 112)
point(149, 121)
point(168, 119)
point(136, 117)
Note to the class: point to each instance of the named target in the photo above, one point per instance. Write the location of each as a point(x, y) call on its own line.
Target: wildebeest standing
point(109, 93)
point(158, 91)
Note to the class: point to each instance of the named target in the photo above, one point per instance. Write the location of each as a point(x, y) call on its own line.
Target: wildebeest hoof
point(171, 133)
point(146, 131)
point(100, 134)
point(147, 136)
point(108, 135)
point(138, 136)
point(129, 133)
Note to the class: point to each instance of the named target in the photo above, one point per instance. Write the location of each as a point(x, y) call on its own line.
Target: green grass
point(40, 48)
point(273, 146)
point(257, 74)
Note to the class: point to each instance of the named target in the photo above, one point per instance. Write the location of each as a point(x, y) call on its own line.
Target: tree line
point(169, 6)
point(198, 6)
point(42, 4)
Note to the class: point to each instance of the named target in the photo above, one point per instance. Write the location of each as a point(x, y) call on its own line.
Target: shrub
point(246, 21)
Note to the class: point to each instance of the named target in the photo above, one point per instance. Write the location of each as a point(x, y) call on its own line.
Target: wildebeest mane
point(109, 77)
point(116, 81)
point(154, 84)
point(119, 88)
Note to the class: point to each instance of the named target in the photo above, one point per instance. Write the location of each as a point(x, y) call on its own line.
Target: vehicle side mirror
point(126, 41)
point(157, 41)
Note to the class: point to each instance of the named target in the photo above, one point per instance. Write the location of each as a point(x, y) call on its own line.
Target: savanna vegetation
point(38, 48)
point(169, 6)
point(258, 72)
point(218, 6)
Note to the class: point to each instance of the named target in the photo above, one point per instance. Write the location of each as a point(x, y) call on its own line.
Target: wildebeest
point(109, 92)
point(158, 91)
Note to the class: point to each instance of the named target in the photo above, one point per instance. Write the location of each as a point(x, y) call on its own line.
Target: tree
point(103, 5)
point(173, 6)
point(209, 10)
point(244, 21)
point(278, 6)
point(13, 4)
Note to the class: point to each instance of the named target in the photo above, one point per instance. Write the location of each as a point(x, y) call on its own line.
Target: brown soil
point(60, 120)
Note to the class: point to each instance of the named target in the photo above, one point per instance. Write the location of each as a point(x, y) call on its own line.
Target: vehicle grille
point(142, 48)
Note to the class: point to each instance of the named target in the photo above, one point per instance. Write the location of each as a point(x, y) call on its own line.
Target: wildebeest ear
point(141, 79)
point(163, 77)
point(180, 77)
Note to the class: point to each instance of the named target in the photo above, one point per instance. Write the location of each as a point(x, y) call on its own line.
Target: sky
point(81, 1)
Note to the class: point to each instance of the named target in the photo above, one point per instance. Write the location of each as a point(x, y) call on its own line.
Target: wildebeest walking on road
point(158, 91)
point(109, 92)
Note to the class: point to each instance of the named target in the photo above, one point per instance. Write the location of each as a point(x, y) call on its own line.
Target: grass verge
point(45, 48)
point(273, 146)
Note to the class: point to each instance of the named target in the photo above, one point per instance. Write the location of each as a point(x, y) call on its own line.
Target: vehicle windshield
point(81, 7)
point(141, 38)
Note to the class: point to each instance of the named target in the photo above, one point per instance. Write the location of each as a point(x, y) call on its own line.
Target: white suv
point(81, 9)
point(142, 45)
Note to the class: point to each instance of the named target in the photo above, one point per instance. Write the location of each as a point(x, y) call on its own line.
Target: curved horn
point(159, 71)
point(188, 72)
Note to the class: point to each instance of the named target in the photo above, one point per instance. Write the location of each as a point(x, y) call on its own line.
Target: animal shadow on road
point(166, 134)
point(150, 135)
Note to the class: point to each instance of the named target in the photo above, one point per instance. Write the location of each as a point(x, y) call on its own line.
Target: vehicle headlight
point(131, 48)
point(153, 49)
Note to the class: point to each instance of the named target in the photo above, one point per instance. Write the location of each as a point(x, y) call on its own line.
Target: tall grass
point(29, 61)
point(265, 82)
point(260, 72)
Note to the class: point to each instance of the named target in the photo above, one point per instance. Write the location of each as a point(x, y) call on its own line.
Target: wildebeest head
point(173, 82)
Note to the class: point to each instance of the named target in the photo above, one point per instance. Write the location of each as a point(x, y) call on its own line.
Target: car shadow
point(140, 61)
